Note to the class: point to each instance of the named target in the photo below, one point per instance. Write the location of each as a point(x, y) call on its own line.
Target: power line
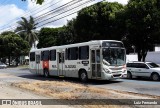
point(65, 15)
point(13, 20)
point(59, 15)
point(42, 9)
point(61, 7)
point(67, 10)
point(52, 5)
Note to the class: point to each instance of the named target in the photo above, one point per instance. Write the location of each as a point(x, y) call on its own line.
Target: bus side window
point(52, 55)
point(46, 55)
point(73, 53)
point(84, 52)
point(32, 56)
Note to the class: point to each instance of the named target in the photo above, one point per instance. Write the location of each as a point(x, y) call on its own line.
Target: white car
point(143, 69)
point(2, 65)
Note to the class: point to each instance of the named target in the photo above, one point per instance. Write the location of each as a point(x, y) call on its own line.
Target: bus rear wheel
point(46, 73)
point(83, 76)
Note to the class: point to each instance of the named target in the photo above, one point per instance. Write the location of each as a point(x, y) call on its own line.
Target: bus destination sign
point(112, 44)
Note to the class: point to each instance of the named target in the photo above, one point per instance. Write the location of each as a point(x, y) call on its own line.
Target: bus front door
point(37, 64)
point(61, 63)
point(95, 63)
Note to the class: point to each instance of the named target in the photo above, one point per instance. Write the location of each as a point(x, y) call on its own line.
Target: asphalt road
point(142, 86)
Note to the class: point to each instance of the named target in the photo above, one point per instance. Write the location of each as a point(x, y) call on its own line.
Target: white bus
point(101, 59)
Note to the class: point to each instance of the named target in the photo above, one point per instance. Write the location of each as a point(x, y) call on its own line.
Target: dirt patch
point(63, 90)
point(68, 90)
point(6, 75)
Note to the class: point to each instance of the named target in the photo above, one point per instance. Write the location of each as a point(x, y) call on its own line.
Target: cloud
point(38, 11)
point(8, 13)
point(52, 19)
point(119, 1)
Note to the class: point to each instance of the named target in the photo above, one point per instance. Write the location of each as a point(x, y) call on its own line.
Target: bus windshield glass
point(114, 56)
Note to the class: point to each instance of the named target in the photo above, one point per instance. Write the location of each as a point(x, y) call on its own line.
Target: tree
point(69, 32)
point(98, 22)
point(92, 23)
point(143, 25)
point(27, 27)
point(51, 37)
point(13, 45)
point(57, 36)
point(37, 1)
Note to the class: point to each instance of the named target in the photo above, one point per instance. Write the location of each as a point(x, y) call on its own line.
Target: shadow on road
point(24, 68)
point(74, 80)
point(142, 79)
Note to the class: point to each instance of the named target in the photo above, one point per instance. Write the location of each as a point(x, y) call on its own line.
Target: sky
point(12, 11)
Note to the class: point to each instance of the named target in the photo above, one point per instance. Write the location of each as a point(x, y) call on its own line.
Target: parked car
point(2, 65)
point(143, 69)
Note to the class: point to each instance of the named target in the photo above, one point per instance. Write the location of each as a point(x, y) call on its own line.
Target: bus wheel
point(46, 73)
point(129, 75)
point(83, 76)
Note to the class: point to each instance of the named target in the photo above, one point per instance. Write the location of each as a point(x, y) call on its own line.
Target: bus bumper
point(106, 76)
point(124, 76)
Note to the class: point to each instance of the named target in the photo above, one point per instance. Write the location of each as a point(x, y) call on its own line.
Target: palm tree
point(26, 27)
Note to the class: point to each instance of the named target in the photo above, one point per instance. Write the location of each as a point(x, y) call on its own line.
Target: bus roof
point(74, 45)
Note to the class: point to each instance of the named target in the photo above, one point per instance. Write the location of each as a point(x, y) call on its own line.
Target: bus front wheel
point(83, 76)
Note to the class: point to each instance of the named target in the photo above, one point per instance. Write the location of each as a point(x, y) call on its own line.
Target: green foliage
point(142, 23)
point(50, 37)
point(37, 1)
point(98, 21)
point(70, 32)
point(40, 1)
point(136, 24)
point(12, 45)
point(26, 28)
point(57, 36)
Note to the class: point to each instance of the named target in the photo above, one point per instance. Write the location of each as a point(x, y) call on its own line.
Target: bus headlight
point(106, 70)
point(124, 71)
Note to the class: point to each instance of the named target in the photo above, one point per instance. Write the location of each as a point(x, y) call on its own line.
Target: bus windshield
point(114, 56)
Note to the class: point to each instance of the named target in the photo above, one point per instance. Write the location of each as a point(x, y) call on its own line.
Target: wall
point(153, 57)
point(131, 57)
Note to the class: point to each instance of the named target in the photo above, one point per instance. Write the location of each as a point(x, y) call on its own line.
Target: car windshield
point(152, 65)
point(114, 56)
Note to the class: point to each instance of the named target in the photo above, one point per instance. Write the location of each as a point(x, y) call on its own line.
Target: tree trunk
point(139, 55)
point(144, 53)
point(9, 59)
point(17, 61)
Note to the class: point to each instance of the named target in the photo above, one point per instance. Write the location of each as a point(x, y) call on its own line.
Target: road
point(12, 75)
point(142, 86)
